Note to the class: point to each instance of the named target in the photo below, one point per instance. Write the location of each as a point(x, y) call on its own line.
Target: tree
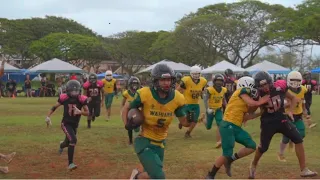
point(238, 30)
point(73, 48)
point(131, 49)
point(17, 35)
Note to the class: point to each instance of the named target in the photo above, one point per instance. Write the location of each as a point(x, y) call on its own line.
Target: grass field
point(103, 152)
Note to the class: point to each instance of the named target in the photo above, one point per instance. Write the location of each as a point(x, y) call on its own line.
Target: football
point(135, 117)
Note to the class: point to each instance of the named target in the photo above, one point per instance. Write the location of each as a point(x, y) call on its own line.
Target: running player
point(229, 83)
point(128, 96)
point(93, 89)
point(274, 120)
point(72, 103)
point(160, 103)
point(311, 86)
point(213, 100)
point(178, 80)
point(192, 87)
point(294, 80)
point(230, 128)
point(109, 89)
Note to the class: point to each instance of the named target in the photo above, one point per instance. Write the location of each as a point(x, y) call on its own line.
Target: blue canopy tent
point(102, 75)
point(316, 70)
point(19, 77)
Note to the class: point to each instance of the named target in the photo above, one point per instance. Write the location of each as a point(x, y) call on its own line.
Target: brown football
point(136, 116)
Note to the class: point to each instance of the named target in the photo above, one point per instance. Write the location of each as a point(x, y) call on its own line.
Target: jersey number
point(94, 92)
point(274, 104)
point(195, 96)
point(160, 122)
point(70, 109)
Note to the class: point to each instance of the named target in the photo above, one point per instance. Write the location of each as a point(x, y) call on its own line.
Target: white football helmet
point(195, 72)
point(108, 75)
point(247, 82)
point(294, 79)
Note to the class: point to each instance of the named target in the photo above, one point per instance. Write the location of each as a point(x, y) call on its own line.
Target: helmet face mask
point(93, 78)
point(294, 79)
point(248, 82)
point(195, 72)
point(108, 75)
point(73, 88)
point(263, 81)
point(163, 78)
point(134, 84)
point(218, 80)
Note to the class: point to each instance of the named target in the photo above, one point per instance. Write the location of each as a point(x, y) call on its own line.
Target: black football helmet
point(93, 78)
point(228, 72)
point(218, 80)
point(246, 73)
point(162, 71)
point(73, 88)
point(178, 77)
point(261, 79)
point(307, 75)
point(134, 84)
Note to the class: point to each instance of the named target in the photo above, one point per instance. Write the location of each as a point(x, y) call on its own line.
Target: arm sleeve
point(136, 103)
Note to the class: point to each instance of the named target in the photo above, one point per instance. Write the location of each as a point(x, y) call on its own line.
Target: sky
point(143, 15)
point(107, 17)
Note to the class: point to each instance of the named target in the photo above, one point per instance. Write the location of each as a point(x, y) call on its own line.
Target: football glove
point(48, 121)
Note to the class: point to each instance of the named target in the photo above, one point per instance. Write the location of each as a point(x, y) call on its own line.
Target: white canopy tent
point(177, 67)
point(56, 66)
point(268, 66)
point(221, 67)
point(9, 68)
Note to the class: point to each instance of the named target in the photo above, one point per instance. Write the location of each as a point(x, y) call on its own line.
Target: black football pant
point(70, 140)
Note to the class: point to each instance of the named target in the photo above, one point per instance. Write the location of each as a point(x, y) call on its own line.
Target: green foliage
point(69, 47)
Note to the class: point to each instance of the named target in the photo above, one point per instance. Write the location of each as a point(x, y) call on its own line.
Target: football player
point(311, 86)
point(274, 120)
point(294, 81)
point(178, 79)
point(213, 100)
point(128, 96)
point(229, 83)
point(109, 89)
point(93, 89)
point(72, 103)
point(160, 104)
point(230, 128)
point(192, 87)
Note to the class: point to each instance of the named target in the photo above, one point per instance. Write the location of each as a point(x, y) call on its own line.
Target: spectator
point(43, 87)
point(11, 87)
point(73, 77)
point(27, 86)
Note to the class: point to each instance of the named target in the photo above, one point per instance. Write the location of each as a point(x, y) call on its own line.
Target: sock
point(214, 171)
point(234, 157)
point(188, 132)
point(130, 135)
point(70, 154)
point(89, 123)
point(282, 148)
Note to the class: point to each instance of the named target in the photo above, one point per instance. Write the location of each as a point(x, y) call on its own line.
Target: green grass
point(102, 151)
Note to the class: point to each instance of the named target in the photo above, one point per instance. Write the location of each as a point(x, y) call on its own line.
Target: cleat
point(209, 176)
point(180, 126)
point(72, 166)
point(252, 171)
point(307, 173)
point(4, 170)
point(8, 158)
point(312, 125)
point(60, 149)
point(281, 158)
point(187, 135)
point(134, 174)
point(218, 144)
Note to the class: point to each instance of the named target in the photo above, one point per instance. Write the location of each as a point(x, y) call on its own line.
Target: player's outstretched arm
point(53, 109)
point(206, 98)
point(250, 102)
point(124, 113)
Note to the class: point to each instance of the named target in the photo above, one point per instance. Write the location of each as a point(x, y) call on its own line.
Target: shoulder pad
point(82, 99)
point(280, 85)
point(99, 83)
point(313, 82)
point(86, 85)
point(63, 97)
